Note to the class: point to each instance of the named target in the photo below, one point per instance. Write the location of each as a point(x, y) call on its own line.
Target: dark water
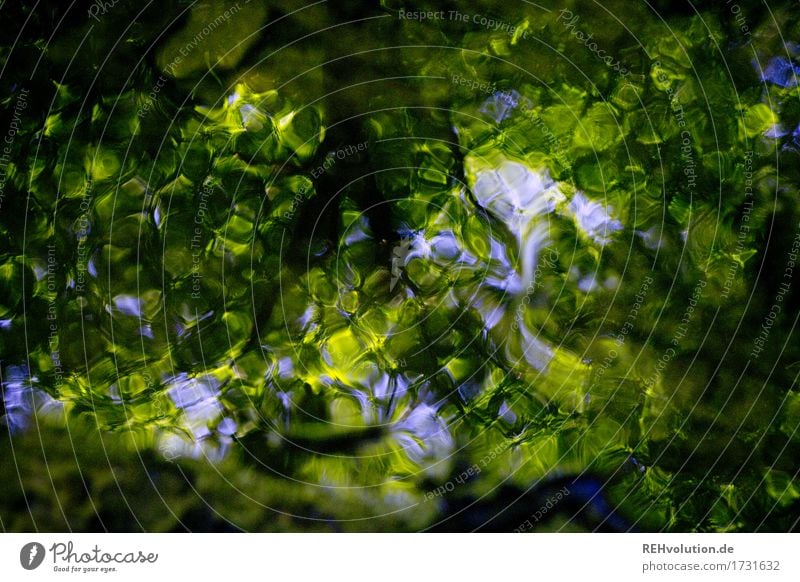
point(393, 267)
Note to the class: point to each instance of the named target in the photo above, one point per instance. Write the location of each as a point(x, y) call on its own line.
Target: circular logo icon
point(31, 555)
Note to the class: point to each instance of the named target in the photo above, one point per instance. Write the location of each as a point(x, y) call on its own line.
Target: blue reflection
point(781, 71)
point(21, 400)
point(588, 491)
point(500, 105)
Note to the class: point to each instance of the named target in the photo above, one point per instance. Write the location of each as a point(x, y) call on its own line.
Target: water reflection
point(23, 403)
point(373, 325)
point(206, 431)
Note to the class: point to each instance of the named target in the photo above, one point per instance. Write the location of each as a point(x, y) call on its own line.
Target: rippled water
point(269, 267)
